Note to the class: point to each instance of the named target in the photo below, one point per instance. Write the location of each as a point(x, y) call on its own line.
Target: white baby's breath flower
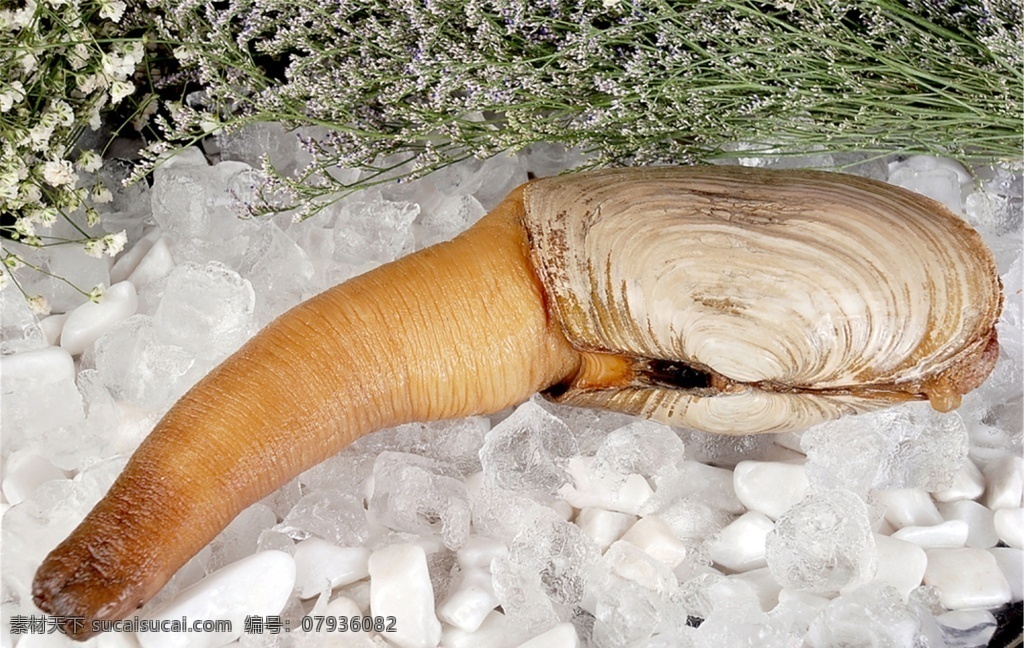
point(30, 193)
point(97, 293)
point(114, 243)
point(119, 90)
point(13, 93)
point(39, 136)
point(23, 17)
point(92, 82)
point(95, 121)
point(58, 173)
point(47, 216)
point(183, 53)
point(89, 161)
point(101, 195)
point(117, 67)
point(78, 56)
point(94, 248)
point(112, 10)
point(25, 226)
point(13, 261)
point(39, 305)
point(92, 217)
point(62, 112)
point(29, 62)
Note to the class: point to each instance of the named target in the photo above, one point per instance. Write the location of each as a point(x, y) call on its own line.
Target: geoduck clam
point(726, 299)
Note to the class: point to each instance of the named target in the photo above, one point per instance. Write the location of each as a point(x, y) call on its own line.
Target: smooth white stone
point(966, 578)
point(26, 471)
point(478, 552)
point(591, 491)
point(259, 584)
point(1009, 526)
point(740, 545)
point(604, 527)
point(157, 264)
point(346, 607)
point(562, 509)
point(562, 635)
point(968, 483)
point(43, 366)
point(127, 262)
point(908, 507)
point(91, 320)
point(812, 601)
point(470, 601)
point(1011, 563)
point(1004, 483)
point(319, 563)
point(763, 583)
point(900, 563)
point(400, 587)
point(947, 535)
point(492, 632)
point(656, 539)
point(52, 326)
point(769, 487)
point(981, 531)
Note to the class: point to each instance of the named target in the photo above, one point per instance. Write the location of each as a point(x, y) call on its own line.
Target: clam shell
point(796, 296)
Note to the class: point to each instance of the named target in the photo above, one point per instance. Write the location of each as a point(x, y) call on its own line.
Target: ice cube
point(443, 218)
point(370, 231)
point(528, 451)
point(938, 178)
point(70, 262)
point(138, 368)
point(278, 270)
point(337, 517)
point(823, 544)
point(240, 538)
point(253, 141)
point(556, 550)
point(872, 615)
point(24, 472)
point(19, 327)
point(420, 495)
point(39, 394)
point(642, 447)
point(206, 310)
point(523, 600)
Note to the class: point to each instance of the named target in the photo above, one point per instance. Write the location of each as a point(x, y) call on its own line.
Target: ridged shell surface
point(807, 291)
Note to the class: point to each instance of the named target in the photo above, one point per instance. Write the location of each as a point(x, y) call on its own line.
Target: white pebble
point(604, 527)
point(259, 584)
point(26, 471)
point(400, 587)
point(947, 535)
point(770, 487)
point(1009, 526)
point(966, 578)
point(45, 366)
point(345, 607)
point(1011, 563)
point(470, 601)
point(52, 327)
point(588, 490)
point(91, 320)
point(908, 507)
point(981, 532)
point(763, 583)
point(157, 264)
point(562, 635)
point(968, 483)
point(479, 551)
point(809, 599)
point(492, 632)
point(319, 563)
point(1004, 483)
point(900, 563)
point(740, 545)
point(128, 261)
point(656, 539)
